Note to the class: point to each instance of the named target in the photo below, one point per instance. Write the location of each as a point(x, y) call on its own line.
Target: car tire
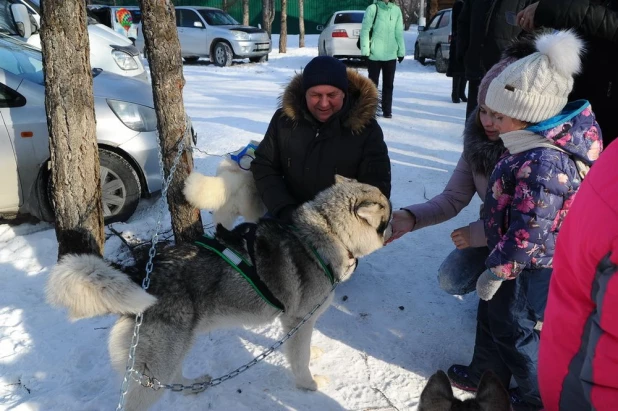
point(441, 62)
point(191, 60)
point(261, 59)
point(417, 54)
point(120, 187)
point(222, 54)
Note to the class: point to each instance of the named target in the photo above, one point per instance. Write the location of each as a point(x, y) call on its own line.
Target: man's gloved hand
point(286, 213)
point(487, 285)
point(400, 59)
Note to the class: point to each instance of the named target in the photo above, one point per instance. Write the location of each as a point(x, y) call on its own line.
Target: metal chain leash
point(129, 370)
point(155, 384)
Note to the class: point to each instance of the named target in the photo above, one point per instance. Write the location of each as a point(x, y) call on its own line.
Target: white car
point(340, 34)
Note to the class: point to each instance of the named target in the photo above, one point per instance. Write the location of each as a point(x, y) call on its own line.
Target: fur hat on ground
point(536, 87)
point(325, 70)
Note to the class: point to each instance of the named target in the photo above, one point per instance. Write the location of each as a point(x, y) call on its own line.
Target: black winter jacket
point(483, 33)
point(299, 156)
point(597, 23)
point(455, 64)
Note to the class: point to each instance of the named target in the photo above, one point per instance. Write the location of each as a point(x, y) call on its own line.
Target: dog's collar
point(328, 270)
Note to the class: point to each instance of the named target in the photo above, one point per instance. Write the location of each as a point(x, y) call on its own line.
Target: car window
point(446, 19)
point(344, 18)
point(434, 22)
point(24, 62)
point(186, 18)
point(6, 19)
point(10, 98)
point(218, 18)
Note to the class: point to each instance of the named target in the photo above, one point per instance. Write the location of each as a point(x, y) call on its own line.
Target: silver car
point(211, 32)
point(340, 33)
point(126, 134)
point(434, 41)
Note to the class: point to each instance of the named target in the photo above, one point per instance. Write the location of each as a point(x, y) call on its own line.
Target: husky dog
point(230, 194)
point(438, 395)
point(193, 290)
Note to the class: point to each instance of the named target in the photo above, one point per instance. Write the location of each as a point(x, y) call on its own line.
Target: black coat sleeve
point(463, 30)
point(375, 167)
point(268, 171)
point(590, 18)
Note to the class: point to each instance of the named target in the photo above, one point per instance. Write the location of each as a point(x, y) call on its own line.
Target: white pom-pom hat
point(536, 87)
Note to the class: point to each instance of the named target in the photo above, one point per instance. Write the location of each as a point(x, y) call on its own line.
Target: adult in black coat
point(482, 34)
point(325, 126)
point(456, 68)
point(597, 22)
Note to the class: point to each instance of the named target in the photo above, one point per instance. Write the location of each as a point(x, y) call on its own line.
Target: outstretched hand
point(402, 222)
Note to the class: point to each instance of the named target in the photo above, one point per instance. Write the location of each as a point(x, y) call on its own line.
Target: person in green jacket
point(381, 40)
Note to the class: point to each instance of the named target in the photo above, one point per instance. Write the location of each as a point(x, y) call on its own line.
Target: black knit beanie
point(325, 70)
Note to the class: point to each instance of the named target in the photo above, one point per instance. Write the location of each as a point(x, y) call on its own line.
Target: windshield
point(6, 19)
point(217, 18)
point(20, 59)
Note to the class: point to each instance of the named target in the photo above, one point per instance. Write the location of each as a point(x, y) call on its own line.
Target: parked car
point(126, 133)
point(211, 32)
point(434, 41)
point(340, 33)
point(108, 50)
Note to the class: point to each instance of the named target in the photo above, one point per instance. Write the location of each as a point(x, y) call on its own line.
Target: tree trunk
point(224, 5)
point(245, 12)
point(268, 15)
point(163, 50)
point(433, 8)
point(283, 36)
point(301, 23)
point(69, 105)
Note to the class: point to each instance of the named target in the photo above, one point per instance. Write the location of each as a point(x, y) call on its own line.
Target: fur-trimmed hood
point(481, 153)
point(357, 111)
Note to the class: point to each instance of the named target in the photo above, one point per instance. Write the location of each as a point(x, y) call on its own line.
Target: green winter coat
point(387, 36)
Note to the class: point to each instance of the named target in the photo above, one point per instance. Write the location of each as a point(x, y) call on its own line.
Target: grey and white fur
point(194, 291)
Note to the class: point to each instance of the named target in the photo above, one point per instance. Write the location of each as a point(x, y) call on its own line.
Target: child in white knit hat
point(551, 145)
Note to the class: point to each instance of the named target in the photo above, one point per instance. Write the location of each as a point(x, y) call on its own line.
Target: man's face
point(324, 101)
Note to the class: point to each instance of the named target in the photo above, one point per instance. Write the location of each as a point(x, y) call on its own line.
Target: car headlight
point(125, 61)
point(240, 35)
point(134, 116)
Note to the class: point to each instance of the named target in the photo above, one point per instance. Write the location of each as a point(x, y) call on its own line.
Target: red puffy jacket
point(578, 357)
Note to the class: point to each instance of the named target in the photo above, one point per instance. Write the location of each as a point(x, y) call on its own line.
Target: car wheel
point(223, 55)
point(417, 54)
point(441, 62)
point(191, 59)
point(120, 187)
point(260, 59)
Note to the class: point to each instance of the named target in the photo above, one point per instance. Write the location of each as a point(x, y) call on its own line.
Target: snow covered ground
point(380, 344)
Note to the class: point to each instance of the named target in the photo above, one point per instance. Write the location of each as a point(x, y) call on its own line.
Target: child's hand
point(461, 237)
point(487, 285)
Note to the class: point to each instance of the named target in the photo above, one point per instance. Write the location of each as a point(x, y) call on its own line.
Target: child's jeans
point(461, 268)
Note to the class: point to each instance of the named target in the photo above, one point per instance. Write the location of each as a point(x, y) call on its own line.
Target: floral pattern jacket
point(530, 193)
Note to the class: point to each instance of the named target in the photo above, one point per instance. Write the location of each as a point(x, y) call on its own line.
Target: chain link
point(139, 318)
point(151, 382)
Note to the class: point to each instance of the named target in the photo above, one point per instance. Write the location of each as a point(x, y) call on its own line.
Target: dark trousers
point(459, 87)
point(388, 78)
point(473, 93)
point(506, 341)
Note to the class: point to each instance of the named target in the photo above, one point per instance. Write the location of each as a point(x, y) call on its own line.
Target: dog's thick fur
point(193, 290)
point(230, 194)
point(438, 395)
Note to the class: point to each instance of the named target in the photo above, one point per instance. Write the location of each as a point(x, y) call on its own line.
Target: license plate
point(262, 47)
point(356, 32)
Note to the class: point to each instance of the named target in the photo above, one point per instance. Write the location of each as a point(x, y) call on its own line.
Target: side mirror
point(259, 26)
point(319, 27)
point(22, 20)
point(198, 24)
point(421, 28)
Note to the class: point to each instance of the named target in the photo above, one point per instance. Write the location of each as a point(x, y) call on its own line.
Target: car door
point(10, 188)
point(431, 35)
point(191, 33)
point(443, 31)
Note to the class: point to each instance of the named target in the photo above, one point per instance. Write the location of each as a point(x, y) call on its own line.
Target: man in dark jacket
point(325, 126)
point(482, 34)
point(597, 22)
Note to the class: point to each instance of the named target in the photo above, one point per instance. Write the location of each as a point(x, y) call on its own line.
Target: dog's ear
point(370, 212)
point(438, 394)
point(491, 394)
point(342, 179)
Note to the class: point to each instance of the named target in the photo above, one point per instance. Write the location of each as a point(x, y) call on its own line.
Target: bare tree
point(410, 11)
point(433, 7)
point(69, 104)
point(301, 23)
point(245, 12)
point(268, 15)
point(283, 34)
point(163, 50)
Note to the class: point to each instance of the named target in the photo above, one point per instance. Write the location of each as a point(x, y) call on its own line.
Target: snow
point(380, 344)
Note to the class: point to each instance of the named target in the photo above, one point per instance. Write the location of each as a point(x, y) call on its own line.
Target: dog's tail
point(205, 192)
point(89, 286)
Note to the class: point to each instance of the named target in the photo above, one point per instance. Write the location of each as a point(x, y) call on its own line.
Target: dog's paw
point(307, 384)
point(316, 352)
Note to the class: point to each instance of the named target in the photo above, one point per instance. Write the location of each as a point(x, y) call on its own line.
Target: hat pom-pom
point(563, 49)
